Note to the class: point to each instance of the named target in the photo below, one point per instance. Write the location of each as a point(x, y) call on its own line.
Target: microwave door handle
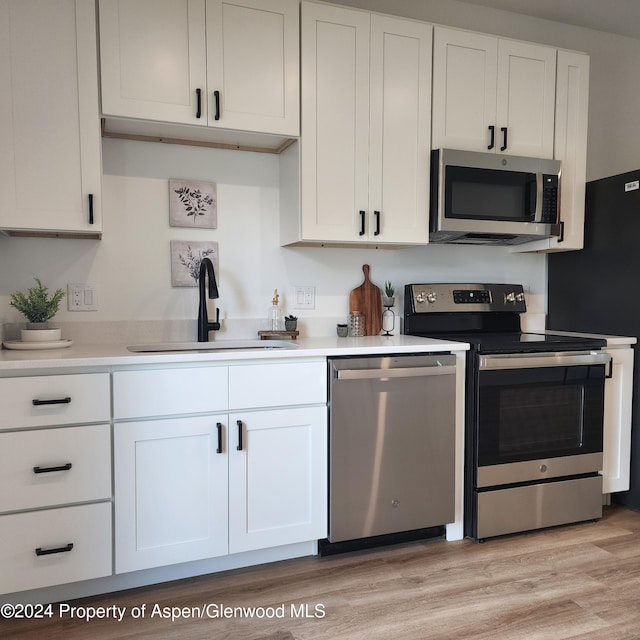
point(537, 213)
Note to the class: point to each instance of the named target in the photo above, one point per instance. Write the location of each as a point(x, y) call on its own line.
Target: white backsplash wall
point(130, 266)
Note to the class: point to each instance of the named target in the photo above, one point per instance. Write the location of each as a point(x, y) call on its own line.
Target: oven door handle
point(534, 360)
point(401, 372)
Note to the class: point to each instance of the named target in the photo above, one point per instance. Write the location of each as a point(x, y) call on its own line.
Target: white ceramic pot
point(40, 335)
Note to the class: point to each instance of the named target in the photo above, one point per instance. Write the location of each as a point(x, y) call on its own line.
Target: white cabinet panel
point(170, 492)
point(278, 481)
point(164, 392)
point(618, 394)
point(465, 75)
point(492, 94)
point(55, 546)
point(50, 158)
point(276, 385)
point(366, 99)
point(48, 467)
point(38, 401)
point(153, 59)
point(229, 64)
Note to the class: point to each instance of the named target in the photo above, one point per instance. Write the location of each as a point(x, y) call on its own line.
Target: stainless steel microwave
point(488, 198)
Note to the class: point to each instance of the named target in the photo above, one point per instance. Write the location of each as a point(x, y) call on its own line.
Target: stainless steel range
point(534, 409)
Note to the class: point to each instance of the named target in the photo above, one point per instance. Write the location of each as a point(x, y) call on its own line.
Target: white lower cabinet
point(192, 487)
point(170, 492)
point(55, 546)
point(618, 394)
point(277, 479)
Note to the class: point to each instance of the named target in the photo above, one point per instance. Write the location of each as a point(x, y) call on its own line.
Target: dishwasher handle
point(400, 372)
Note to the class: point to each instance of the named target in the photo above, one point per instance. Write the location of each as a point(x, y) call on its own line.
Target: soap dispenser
point(275, 319)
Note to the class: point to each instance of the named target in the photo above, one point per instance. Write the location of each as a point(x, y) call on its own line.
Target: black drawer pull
point(38, 403)
point(492, 136)
point(239, 423)
point(91, 208)
point(377, 216)
point(504, 138)
point(198, 103)
point(64, 467)
point(48, 552)
point(361, 232)
point(219, 428)
point(216, 97)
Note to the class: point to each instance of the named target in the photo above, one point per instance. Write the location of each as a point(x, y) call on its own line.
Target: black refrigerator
point(598, 289)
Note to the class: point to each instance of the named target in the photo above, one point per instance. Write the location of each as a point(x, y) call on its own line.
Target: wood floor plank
point(578, 582)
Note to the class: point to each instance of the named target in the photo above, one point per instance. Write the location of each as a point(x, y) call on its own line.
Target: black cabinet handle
point(219, 428)
point(48, 552)
point(216, 97)
point(199, 103)
point(561, 235)
point(377, 215)
point(37, 403)
point(361, 223)
point(91, 208)
point(492, 136)
point(239, 423)
point(504, 138)
point(64, 467)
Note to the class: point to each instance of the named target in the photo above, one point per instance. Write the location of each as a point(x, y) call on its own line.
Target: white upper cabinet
point(50, 156)
point(365, 128)
point(229, 64)
point(494, 95)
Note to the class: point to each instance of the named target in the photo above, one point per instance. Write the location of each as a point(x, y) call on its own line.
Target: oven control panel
point(458, 298)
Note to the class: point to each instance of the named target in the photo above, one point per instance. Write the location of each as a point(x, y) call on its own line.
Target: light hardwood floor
point(580, 582)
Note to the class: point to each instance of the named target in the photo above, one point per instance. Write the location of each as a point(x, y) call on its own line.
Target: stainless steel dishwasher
point(391, 444)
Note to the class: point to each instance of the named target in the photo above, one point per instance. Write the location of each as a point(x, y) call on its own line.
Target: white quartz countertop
point(107, 355)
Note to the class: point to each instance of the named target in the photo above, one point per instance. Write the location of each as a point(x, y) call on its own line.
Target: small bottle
point(275, 319)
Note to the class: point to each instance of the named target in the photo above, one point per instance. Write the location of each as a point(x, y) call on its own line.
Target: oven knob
point(520, 297)
point(510, 297)
point(423, 297)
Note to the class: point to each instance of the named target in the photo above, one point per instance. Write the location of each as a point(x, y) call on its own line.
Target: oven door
point(539, 416)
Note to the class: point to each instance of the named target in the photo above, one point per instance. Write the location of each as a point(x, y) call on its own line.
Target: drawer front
point(48, 467)
point(39, 401)
point(277, 385)
point(74, 543)
point(165, 392)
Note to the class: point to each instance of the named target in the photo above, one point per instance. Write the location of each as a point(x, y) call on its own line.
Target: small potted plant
point(290, 323)
point(38, 308)
point(388, 300)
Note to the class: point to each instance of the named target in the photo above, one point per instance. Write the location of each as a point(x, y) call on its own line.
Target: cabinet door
point(153, 59)
point(50, 159)
point(464, 89)
point(400, 137)
point(525, 99)
point(335, 123)
point(277, 477)
point(171, 497)
point(618, 394)
point(572, 108)
point(253, 65)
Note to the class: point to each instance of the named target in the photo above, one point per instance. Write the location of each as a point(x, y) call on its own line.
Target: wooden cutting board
point(367, 300)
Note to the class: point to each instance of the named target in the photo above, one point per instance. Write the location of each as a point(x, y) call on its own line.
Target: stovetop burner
point(487, 316)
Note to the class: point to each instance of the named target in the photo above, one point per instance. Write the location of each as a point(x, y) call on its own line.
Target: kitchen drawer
point(163, 392)
point(33, 465)
point(277, 384)
point(80, 538)
point(38, 401)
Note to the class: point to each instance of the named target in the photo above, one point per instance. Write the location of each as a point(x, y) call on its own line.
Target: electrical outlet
point(81, 297)
point(304, 297)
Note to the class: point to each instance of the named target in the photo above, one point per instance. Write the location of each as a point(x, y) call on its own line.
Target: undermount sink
point(220, 345)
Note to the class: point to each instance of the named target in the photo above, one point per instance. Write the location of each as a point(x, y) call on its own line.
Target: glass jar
point(356, 324)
